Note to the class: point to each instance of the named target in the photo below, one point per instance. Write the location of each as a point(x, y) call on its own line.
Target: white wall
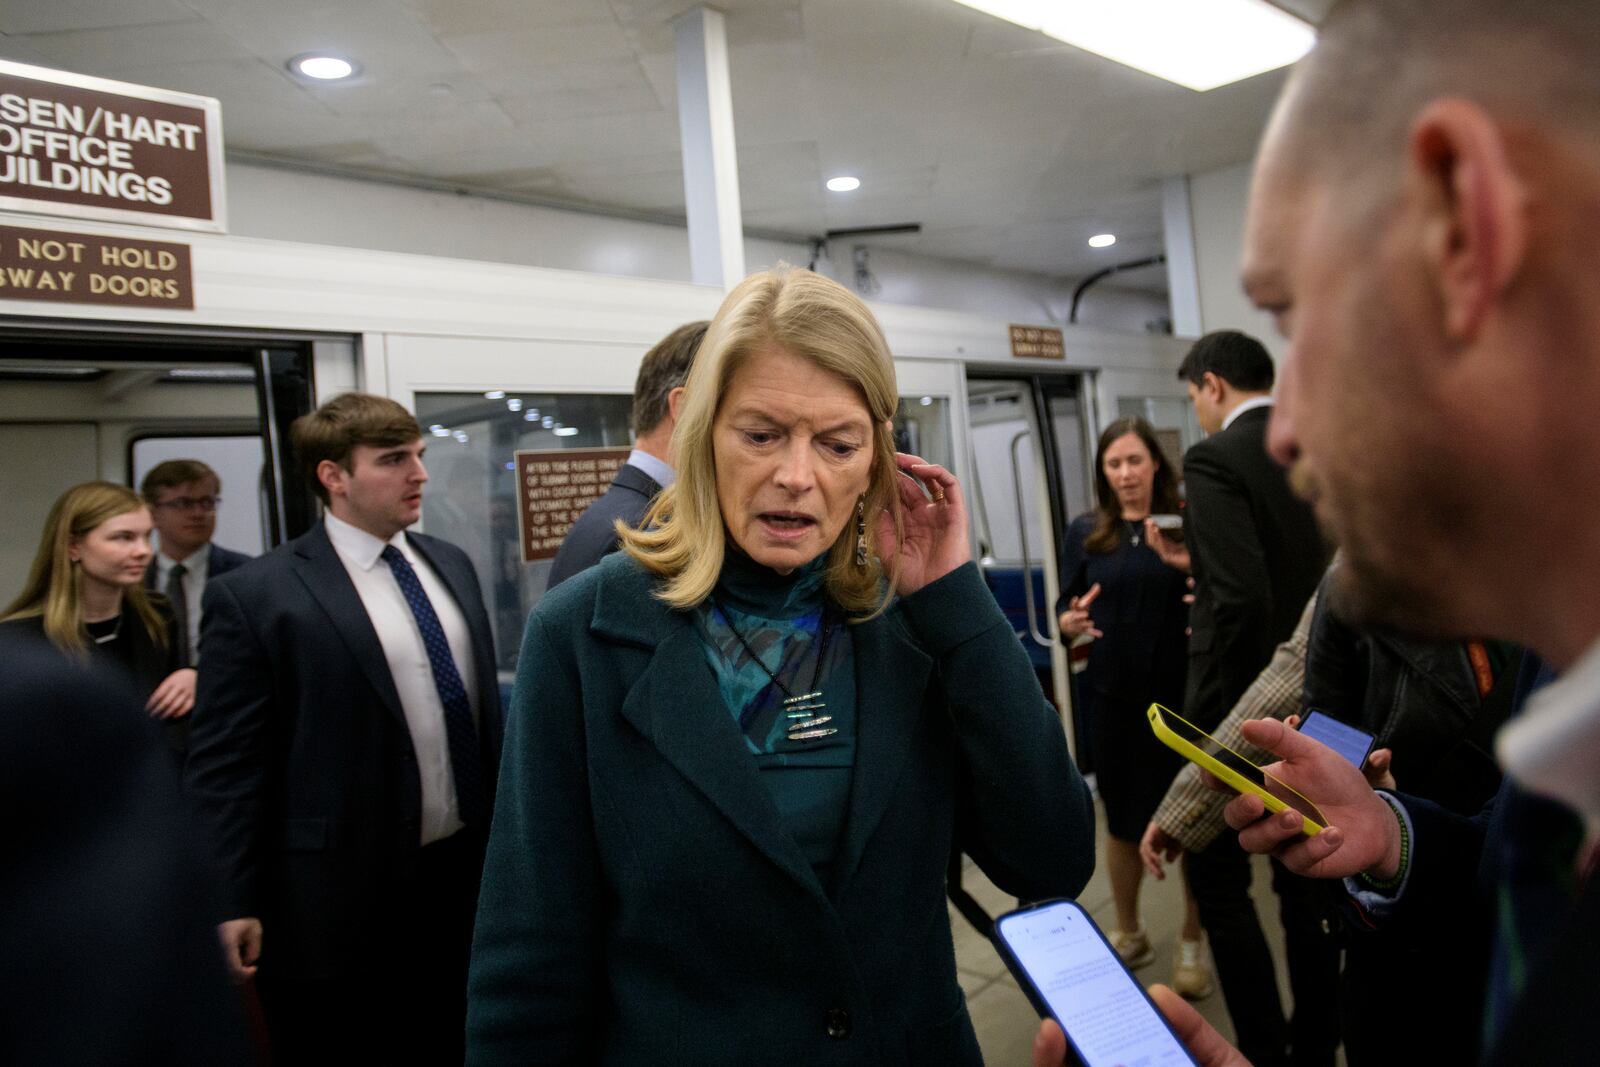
point(291, 205)
point(1218, 200)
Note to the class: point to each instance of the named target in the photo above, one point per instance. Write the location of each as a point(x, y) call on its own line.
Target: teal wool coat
point(642, 902)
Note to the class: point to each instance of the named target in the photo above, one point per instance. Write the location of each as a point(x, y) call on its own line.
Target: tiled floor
point(1002, 1016)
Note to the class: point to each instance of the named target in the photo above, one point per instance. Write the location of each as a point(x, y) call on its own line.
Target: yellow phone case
point(1232, 778)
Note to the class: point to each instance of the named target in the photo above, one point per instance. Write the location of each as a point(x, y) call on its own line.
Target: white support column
point(1183, 274)
point(710, 166)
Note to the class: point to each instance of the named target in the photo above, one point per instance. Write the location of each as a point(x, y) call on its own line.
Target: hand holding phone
point(1364, 830)
point(1070, 973)
point(1238, 773)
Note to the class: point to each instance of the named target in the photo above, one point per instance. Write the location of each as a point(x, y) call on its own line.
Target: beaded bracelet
point(1390, 884)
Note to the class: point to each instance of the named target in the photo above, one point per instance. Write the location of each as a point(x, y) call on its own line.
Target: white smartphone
point(1072, 974)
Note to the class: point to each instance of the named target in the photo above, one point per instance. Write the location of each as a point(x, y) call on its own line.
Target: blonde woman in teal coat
point(738, 751)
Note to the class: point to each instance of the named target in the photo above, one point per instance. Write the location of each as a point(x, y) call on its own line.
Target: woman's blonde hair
point(55, 581)
point(682, 537)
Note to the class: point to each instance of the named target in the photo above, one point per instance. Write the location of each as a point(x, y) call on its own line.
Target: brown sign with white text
point(87, 268)
point(1037, 342)
point(90, 148)
point(553, 488)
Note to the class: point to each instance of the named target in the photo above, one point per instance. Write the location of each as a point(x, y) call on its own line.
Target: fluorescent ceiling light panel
point(1200, 44)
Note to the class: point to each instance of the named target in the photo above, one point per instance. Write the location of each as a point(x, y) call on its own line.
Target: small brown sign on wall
point(553, 488)
point(1037, 342)
point(87, 268)
point(96, 149)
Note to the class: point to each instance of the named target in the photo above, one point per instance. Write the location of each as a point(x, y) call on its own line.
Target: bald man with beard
point(1421, 228)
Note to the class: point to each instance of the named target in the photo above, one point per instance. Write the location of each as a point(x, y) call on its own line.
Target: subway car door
point(1030, 444)
point(86, 401)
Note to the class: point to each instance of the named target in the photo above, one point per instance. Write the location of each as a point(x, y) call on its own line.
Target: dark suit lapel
point(677, 706)
point(631, 477)
point(319, 567)
point(469, 599)
point(891, 680)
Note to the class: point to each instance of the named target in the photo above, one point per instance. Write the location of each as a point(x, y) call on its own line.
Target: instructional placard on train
point(553, 488)
point(87, 268)
point(91, 148)
point(1037, 342)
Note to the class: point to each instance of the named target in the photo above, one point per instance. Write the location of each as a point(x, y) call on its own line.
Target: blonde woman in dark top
point(84, 594)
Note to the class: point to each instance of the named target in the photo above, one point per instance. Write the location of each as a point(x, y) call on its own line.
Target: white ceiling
point(1009, 149)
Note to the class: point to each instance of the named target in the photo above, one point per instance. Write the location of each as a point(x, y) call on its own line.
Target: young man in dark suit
point(183, 495)
point(649, 468)
point(1257, 557)
point(346, 754)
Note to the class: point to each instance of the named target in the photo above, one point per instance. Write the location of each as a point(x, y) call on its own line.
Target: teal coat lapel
point(891, 682)
point(677, 706)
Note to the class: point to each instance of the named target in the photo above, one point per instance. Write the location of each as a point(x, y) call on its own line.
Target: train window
point(238, 461)
point(471, 500)
point(922, 427)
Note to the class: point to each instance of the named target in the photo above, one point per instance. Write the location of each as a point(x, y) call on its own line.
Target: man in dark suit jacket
point(183, 495)
point(346, 752)
point(1257, 557)
point(649, 468)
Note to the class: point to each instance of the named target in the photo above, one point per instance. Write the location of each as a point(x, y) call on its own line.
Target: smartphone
point(1169, 525)
point(1349, 742)
point(1072, 974)
point(1197, 746)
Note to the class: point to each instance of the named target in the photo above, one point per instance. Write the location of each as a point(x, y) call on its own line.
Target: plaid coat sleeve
point(1190, 812)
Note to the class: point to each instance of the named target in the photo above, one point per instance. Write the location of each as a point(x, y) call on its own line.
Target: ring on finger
point(938, 494)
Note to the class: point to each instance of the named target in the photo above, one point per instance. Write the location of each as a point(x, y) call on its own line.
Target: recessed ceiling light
point(494, 394)
point(322, 67)
point(1102, 240)
point(844, 184)
point(1200, 44)
point(566, 431)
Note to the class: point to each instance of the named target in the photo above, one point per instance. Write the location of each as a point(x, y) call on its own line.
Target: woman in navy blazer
point(738, 751)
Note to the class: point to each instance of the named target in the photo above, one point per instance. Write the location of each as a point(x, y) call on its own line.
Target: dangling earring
point(861, 531)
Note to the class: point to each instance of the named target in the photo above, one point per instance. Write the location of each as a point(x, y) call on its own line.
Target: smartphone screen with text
point(1071, 972)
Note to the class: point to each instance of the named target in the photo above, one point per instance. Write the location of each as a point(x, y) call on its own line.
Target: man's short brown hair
point(334, 430)
point(663, 369)
point(172, 473)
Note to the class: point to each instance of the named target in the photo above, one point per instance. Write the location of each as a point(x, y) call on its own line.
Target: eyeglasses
point(191, 503)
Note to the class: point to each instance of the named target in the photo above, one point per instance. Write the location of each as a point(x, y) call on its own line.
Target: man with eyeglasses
point(183, 495)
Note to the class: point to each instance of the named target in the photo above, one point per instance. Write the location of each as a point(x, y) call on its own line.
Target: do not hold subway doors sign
point(84, 268)
point(90, 148)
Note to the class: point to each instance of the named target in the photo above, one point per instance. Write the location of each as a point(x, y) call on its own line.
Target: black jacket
point(1257, 558)
point(594, 536)
point(1417, 697)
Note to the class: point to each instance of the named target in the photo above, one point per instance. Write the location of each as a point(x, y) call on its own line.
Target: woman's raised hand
point(934, 532)
point(1075, 621)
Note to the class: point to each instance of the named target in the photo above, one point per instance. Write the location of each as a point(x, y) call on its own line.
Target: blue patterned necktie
point(462, 735)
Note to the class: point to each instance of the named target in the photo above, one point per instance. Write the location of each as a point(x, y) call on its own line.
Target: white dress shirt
point(195, 570)
point(402, 644)
point(1248, 405)
point(659, 470)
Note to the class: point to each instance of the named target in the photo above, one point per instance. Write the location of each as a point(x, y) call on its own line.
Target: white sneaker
point(1190, 976)
point(1134, 948)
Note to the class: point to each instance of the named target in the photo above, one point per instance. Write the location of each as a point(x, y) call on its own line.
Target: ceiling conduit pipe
point(1083, 286)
